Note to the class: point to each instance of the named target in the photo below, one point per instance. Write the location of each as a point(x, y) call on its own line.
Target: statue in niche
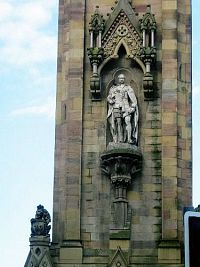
point(123, 112)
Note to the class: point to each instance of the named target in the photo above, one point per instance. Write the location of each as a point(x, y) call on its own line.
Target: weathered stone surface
point(82, 195)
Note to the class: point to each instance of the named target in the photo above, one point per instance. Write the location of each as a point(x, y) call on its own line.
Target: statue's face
point(121, 78)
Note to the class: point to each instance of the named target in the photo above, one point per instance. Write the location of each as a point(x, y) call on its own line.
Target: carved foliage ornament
point(123, 32)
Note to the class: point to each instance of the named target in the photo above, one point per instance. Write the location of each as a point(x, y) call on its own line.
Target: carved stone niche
point(120, 162)
point(122, 28)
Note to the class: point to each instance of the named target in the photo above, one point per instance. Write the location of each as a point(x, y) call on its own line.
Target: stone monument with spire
point(123, 136)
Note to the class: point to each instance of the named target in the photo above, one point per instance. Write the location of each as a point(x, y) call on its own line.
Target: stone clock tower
point(123, 136)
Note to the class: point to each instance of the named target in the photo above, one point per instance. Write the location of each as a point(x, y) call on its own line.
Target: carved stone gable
point(122, 32)
point(118, 259)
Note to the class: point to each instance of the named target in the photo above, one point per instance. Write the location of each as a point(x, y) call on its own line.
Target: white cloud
point(37, 50)
point(34, 13)
point(5, 10)
point(25, 35)
point(46, 81)
point(46, 109)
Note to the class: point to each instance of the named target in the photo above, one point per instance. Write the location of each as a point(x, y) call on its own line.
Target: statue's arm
point(110, 97)
point(132, 97)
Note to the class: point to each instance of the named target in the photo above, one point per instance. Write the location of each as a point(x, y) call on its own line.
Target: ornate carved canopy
point(122, 28)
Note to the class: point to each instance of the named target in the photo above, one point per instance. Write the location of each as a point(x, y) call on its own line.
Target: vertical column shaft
point(148, 67)
point(169, 121)
point(68, 150)
point(91, 39)
point(99, 38)
point(152, 38)
point(144, 38)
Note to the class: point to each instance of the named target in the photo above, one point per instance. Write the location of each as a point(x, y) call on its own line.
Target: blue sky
point(196, 100)
point(28, 50)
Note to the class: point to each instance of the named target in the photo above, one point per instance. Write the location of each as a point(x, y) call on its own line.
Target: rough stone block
point(169, 4)
point(123, 244)
point(71, 255)
point(169, 252)
point(169, 44)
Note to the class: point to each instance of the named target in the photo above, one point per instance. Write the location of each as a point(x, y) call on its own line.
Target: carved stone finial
point(39, 224)
point(148, 21)
point(39, 254)
point(97, 22)
point(96, 52)
point(148, 9)
point(148, 51)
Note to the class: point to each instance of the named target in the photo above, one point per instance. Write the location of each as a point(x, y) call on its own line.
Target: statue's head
point(39, 212)
point(121, 78)
point(42, 213)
